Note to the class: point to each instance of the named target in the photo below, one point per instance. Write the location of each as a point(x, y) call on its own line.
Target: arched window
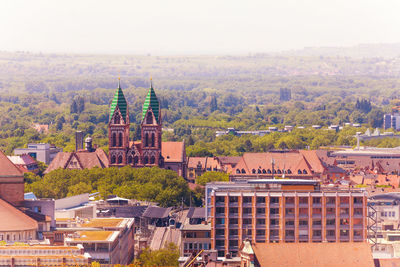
point(114, 139)
point(274, 171)
point(152, 160)
point(289, 171)
point(120, 139)
point(146, 141)
point(237, 171)
point(117, 119)
point(304, 172)
point(135, 160)
point(243, 171)
point(264, 171)
point(299, 171)
point(269, 171)
point(119, 159)
point(130, 159)
point(259, 171)
point(113, 159)
point(279, 171)
point(253, 171)
point(152, 139)
point(146, 160)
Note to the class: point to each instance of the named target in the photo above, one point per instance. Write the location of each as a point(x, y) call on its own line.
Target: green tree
point(212, 176)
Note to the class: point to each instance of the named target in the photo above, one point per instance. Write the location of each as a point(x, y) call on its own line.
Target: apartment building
point(39, 255)
point(283, 211)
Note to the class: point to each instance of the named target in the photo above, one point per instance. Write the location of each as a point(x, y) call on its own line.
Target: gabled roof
point(292, 161)
point(173, 151)
point(312, 158)
point(7, 168)
point(120, 102)
point(154, 212)
point(86, 160)
point(16, 219)
point(196, 213)
point(151, 101)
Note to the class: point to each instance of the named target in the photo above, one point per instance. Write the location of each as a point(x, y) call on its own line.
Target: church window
point(113, 159)
point(135, 160)
point(152, 139)
point(146, 160)
point(152, 160)
point(117, 119)
point(146, 140)
point(120, 139)
point(130, 159)
point(119, 159)
point(114, 139)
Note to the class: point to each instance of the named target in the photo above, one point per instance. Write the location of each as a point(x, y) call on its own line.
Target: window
point(246, 199)
point(113, 159)
point(233, 221)
point(120, 139)
point(261, 211)
point(114, 139)
point(152, 160)
point(274, 200)
point(274, 211)
point(316, 233)
point(129, 159)
point(260, 199)
point(243, 171)
point(316, 200)
point(303, 223)
point(304, 172)
point(260, 221)
point(152, 139)
point(233, 199)
point(246, 221)
point(253, 171)
point(146, 140)
point(119, 159)
point(246, 210)
point(233, 211)
point(146, 160)
point(136, 160)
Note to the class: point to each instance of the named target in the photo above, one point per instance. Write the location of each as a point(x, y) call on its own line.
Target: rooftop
point(94, 236)
point(106, 222)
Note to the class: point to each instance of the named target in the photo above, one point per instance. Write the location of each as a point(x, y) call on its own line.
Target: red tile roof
point(314, 254)
point(313, 159)
point(173, 151)
point(206, 162)
point(292, 161)
point(7, 168)
point(86, 160)
point(15, 220)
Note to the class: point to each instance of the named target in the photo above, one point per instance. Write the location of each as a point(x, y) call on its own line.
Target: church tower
point(151, 130)
point(118, 129)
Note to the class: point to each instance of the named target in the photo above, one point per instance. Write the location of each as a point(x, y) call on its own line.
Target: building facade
point(149, 150)
point(284, 211)
point(40, 152)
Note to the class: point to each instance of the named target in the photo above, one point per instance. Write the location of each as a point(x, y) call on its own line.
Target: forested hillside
point(198, 95)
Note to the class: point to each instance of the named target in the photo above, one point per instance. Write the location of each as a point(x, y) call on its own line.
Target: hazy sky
point(196, 27)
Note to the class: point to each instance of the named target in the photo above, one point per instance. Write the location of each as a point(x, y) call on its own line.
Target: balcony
point(358, 205)
point(316, 205)
point(233, 215)
point(233, 204)
point(344, 239)
point(220, 215)
point(233, 226)
point(358, 238)
point(344, 205)
point(247, 204)
point(344, 227)
point(331, 238)
point(274, 216)
point(220, 204)
point(274, 205)
point(233, 237)
point(303, 238)
point(274, 238)
point(330, 205)
point(303, 227)
point(331, 226)
point(316, 227)
point(317, 215)
point(303, 205)
point(274, 226)
point(260, 226)
point(220, 247)
point(289, 238)
point(358, 226)
point(289, 205)
point(247, 215)
point(219, 236)
point(303, 215)
point(289, 227)
point(330, 215)
point(316, 238)
point(220, 226)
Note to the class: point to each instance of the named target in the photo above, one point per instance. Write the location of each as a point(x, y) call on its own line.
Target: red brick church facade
point(148, 152)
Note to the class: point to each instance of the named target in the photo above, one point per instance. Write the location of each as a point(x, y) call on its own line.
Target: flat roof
point(106, 222)
point(283, 181)
point(94, 236)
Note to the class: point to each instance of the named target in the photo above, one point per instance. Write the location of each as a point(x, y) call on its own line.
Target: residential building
point(283, 211)
point(195, 233)
point(107, 240)
point(150, 151)
point(40, 152)
point(39, 255)
point(391, 121)
point(302, 164)
point(25, 163)
point(11, 182)
point(83, 159)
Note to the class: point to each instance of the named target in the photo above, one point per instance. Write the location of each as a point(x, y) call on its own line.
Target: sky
point(194, 27)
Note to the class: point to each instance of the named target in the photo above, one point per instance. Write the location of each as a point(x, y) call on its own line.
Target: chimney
point(78, 140)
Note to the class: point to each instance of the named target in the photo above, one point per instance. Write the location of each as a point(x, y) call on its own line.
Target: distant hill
point(358, 51)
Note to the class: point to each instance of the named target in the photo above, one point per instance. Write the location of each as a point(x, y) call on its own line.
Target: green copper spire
point(151, 101)
point(119, 101)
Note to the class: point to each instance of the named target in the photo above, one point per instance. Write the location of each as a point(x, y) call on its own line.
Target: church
point(150, 150)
